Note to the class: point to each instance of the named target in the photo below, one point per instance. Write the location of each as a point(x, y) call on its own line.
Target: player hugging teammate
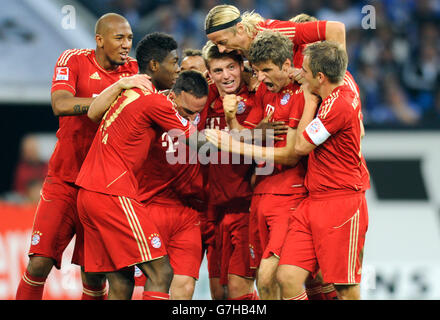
point(261, 94)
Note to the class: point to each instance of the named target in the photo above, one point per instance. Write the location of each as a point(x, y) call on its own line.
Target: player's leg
point(53, 229)
point(218, 291)
point(298, 259)
point(267, 285)
point(240, 288)
point(94, 286)
point(348, 292)
point(340, 252)
point(240, 277)
point(159, 276)
point(121, 284)
point(292, 279)
point(182, 287)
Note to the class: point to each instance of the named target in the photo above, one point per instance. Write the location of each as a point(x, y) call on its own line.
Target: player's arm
point(104, 100)
point(233, 143)
point(64, 103)
point(303, 146)
point(335, 31)
point(230, 107)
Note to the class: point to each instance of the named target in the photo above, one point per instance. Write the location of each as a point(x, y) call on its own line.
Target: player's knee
point(348, 292)
point(165, 275)
point(284, 277)
point(40, 266)
point(184, 289)
point(266, 279)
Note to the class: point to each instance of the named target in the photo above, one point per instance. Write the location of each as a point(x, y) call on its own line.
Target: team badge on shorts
point(36, 236)
point(252, 252)
point(241, 107)
point(155, 240)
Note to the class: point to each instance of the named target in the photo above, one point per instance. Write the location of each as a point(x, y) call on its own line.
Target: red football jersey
point(172, 175)
point(287, 105)
point(227, 181)
point(299, 33)
point(349, 80)
point(115, 162)
point(336, 163)
point(78, 72)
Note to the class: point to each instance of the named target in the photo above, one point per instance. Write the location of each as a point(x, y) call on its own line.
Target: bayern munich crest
point(241, 107)
point(196, 119)
point(285, 99)
point(252, 252)
point(36, 236)
point(155, 240)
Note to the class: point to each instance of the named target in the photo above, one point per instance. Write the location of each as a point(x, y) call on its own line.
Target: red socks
point(301, 296)
point(30, 288)
point(155, 295)
point(90, 293)
point(314, 292)
point(329, 291)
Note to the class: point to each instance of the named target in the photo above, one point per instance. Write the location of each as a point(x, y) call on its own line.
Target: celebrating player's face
point(188, 105)
point(313, 83)
point(226, 74)
point(117, 41)
point(193, 63)
point(168, 71)
point(273, 77)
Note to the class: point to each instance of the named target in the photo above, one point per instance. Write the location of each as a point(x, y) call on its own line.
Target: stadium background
point(394, 55)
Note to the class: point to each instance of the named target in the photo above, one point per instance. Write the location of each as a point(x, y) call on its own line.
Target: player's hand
point(230, 105)
point(141, 81)
point(310, 98)
point(296, 75)
point(278, 127)
point(219, 138)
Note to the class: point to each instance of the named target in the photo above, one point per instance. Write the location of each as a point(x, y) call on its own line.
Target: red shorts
point(180, 231)
point(209, 231)
point(233, 246)
point(269, 221)
point(329, 234)
point(117, 232)
point(56, 222)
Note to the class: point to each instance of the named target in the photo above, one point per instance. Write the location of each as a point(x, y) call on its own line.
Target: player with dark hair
point(193, 60)
point(79, 75)
point(187, 94)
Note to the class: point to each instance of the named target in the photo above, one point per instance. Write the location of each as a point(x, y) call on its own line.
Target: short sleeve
point(66, 72)
point(163, 114)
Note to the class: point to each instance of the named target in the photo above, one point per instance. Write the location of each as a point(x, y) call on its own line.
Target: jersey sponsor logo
point(95, 76)
point(241, 107)
point(62, 73)
point(36, 237)
point(317, 132)
point(155, 240)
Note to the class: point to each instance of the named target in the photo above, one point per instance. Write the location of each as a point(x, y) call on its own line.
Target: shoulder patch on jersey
point(62, 73)
point(65, 57)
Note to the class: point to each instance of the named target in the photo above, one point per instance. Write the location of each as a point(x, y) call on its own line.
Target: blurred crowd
point(393, 45)
point(393, 48)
